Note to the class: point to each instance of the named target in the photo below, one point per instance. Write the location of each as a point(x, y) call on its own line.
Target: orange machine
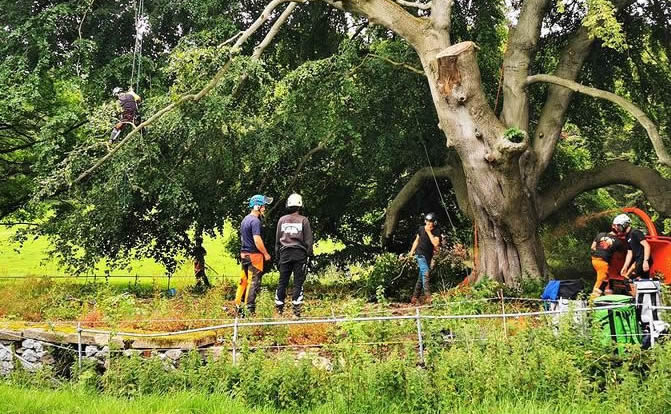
point(660, 251)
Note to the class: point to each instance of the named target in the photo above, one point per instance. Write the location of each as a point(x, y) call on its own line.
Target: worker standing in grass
point(252, 253)
point(425, 245)
point(199, 253)
point(603, 247)
point(293, 248)
point(638, 260)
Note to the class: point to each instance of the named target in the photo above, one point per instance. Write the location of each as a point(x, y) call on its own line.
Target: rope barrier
point(344, 320)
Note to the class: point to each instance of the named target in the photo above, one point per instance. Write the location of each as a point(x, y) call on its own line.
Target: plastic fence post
point(419, 336)
point(235, 340)
point(503, 312)
point(79, 344)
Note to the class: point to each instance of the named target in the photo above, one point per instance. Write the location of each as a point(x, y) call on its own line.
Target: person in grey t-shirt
point(293, 247)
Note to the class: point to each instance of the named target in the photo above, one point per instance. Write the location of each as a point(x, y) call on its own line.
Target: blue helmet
point(259, 200)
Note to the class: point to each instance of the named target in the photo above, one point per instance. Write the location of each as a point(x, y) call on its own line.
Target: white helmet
point(295, 200)
point(116, 91)
point(621, 222)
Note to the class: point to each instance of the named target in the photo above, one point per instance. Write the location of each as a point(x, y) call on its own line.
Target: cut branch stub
point(449, 75)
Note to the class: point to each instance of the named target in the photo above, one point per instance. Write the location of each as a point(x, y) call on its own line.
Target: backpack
point(619, 325)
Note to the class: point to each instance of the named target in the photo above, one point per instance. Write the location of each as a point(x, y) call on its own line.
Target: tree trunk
point(504, 210)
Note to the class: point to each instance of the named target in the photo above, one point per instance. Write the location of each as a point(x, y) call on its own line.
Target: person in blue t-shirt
point(252, 253)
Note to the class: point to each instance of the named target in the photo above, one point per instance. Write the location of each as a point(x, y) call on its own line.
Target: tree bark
point(502, 207)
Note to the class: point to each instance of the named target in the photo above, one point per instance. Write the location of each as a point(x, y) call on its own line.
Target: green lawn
point(33, 260)
point(15, 400)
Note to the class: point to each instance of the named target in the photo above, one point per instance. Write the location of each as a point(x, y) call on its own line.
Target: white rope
point(137, 49)
point(440, 193)
point(348, 320)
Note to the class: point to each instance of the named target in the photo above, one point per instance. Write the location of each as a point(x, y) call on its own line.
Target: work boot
point(413, 300)
point(114, 135)
point(297, 311)
point(427, 299)
point(595, 294)
point(279, 309)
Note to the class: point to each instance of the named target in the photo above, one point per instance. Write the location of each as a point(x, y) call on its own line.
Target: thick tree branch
point(405, 195)
point(651, 129)
point(441, 18)
point(553, 114)
point(390, 15)
point(261, 47)
point(522, 43)
point(258, 50)
point(656, 188)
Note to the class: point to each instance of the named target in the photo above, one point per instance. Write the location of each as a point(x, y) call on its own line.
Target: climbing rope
point(140, 28)
point(440, 193)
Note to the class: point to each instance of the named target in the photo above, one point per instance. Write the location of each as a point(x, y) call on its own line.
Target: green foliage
point(565, 369)
point(394, 277)
point(515, 135)
point(602, 24)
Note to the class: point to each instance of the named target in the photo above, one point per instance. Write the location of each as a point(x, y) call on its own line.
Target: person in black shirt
point(638, 258)
point(423, 248)
point(199, 253)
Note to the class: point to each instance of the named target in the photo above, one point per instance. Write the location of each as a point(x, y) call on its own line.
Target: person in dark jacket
point(130, 113)
point(199, 253)
point(293, 247)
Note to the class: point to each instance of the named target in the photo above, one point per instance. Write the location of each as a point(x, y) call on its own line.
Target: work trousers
point(299, 269)
point(250, 280)
point(601, 267)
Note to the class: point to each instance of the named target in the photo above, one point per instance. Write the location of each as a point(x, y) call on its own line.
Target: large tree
point(497, 156)
point(501, 159)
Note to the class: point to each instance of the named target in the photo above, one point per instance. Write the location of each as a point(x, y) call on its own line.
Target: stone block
point(6, 367)
point(91, 351)
point(174, 354)
point(102, 354)
point(45, 336)
point(5, 354)
point(30, 355)
point(47, 359)
point(180, 342)
point(10, 335)
point(28, 344)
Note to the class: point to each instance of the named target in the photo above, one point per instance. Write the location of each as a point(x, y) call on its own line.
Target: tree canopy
point(341, 107)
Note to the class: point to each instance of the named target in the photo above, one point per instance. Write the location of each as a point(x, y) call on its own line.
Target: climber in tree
point(130, 113)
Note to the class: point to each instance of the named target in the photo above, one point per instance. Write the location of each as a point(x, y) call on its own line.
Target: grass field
point(15, 400)
point(33, 260)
